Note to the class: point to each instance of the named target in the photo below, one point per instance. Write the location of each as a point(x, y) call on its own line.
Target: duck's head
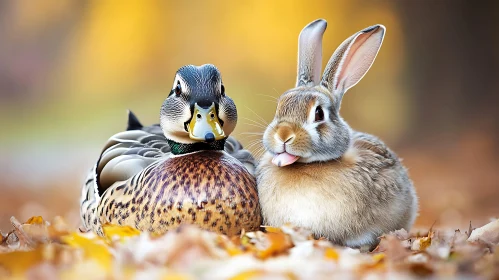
point(197, 108)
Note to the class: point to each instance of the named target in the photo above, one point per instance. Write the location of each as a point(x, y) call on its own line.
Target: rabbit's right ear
point(351, 61)
point(310, 53)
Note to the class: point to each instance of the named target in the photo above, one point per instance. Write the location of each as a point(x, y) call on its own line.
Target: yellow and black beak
point(205, 125)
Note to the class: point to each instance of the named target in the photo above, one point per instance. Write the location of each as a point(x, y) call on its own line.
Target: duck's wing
point(124, 155)
point(235, 149)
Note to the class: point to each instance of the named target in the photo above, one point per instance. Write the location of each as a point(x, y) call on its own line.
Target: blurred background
point(70, 69)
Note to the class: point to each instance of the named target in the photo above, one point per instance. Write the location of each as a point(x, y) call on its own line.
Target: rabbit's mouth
point(283, 159)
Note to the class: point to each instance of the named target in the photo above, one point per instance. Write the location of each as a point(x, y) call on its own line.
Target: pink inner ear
point(358, 60)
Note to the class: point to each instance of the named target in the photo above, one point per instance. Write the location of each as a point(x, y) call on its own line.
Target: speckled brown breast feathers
point(208, 188)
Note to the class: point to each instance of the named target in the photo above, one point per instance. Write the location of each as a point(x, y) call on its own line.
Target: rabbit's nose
point(284, 135)
point(289, 139)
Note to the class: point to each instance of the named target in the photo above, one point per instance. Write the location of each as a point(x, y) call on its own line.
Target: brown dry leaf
point(393, 248)
point(441, 245)
point(297, 234)
point(58, 228)
point(470, 230)
point(422, 243)
point(42, 270)
point(377, 264)
point(423, 270)
point(25, 241)
point(58, 252)
point(401, 234)
point(37, 231)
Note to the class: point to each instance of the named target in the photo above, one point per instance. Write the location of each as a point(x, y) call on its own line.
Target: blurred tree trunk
point(453, 69)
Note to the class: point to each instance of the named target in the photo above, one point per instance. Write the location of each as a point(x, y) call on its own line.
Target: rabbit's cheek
point(312, 132)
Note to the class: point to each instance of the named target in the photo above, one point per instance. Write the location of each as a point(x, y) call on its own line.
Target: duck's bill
point(284, 159)
point(205, 125)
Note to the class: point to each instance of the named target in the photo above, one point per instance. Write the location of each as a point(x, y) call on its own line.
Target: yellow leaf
point(229, 247)
point(233, 251)
point(122, 232)
point(245, 240)
point(278, 243)
point(245, 275)
point(35, 220)
point(176, 276)
point(331, 254)
point(273, 229)
point(424, 243)
point(378, 257)
point(93, 249)
point(19, 261)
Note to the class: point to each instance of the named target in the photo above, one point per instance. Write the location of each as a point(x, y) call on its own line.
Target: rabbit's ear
point(351, 61)
point(310, 53)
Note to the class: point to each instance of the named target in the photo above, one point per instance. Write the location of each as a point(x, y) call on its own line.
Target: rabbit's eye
point(319, 114)
point(178, 89)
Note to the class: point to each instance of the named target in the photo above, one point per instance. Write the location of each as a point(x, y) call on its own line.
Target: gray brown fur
point(346, 186)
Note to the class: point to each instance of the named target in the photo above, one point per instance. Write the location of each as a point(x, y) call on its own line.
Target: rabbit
point(317, 172)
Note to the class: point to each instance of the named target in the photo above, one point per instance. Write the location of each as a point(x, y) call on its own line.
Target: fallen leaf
point(489, 233)
point(272, 229)
point(17, 262)
point(420, 244)
point(393, 249)
point(93, 249)
point(331, 254)
point(269, 244)
point(58, 228)
point(247, 275)
point(114, 232)
point(176, 276)
point(401, 234)
point(35, 220)
point(470, 230)
point(189, 252)
point(24, 239)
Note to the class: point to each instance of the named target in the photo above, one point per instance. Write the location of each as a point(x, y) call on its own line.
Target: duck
point(186, 169)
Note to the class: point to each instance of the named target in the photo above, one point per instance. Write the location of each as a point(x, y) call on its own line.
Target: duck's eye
point(178, 89)
point(198, 116)
point(319, 114)
point(222, 90)
point(212, 116)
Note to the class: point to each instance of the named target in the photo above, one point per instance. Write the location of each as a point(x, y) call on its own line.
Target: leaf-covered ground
point(38, 249)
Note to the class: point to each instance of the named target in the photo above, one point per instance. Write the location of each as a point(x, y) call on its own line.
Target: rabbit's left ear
point(351, 61)
point(310, 53)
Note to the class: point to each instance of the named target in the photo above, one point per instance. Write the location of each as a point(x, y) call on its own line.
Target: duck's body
point(145, 180)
